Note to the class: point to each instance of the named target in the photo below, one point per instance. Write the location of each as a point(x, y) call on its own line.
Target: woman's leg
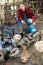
point(29, 21)
point(19, 26)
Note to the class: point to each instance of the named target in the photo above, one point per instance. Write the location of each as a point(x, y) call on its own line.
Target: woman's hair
point(22, 3)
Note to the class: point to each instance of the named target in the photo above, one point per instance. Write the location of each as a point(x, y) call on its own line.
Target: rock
point(39, 46)
point(42, 60)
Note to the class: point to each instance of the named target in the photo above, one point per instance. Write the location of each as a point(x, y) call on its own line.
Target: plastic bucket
point(31, 29)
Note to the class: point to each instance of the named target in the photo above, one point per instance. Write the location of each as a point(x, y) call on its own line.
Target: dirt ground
point(36, 58)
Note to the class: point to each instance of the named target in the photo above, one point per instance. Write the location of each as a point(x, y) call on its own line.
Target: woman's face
point(22, 6)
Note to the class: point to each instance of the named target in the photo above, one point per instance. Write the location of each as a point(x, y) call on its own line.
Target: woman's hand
point(22, 21)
